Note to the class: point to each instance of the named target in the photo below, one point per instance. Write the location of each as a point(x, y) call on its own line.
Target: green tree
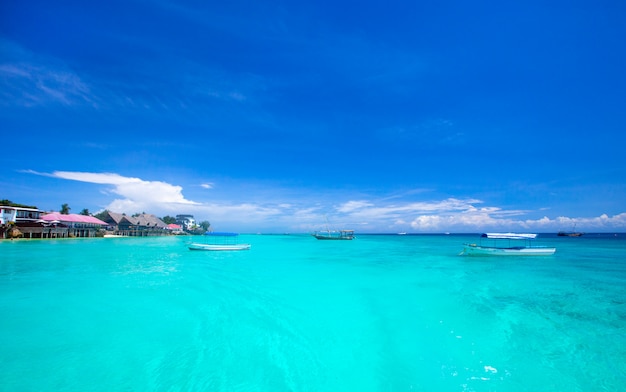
point(65, 209)
point(205, 225)
point(168, 219)
point(85, 212)
point(102, 215)
point(6, 202)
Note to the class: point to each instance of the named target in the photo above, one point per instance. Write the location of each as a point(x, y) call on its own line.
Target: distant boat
point(334, 235)
point(219, 241)
point(507, 244)
point(572, 233)
point(569, 234)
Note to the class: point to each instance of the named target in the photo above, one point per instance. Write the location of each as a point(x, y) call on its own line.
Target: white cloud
point(137, 194)
point(495, 219)
point(276, 210)
point(162, 198)
point(462, 215)
point(353, 205)
point(96, 178)
point(363, 210)
point(32, 85)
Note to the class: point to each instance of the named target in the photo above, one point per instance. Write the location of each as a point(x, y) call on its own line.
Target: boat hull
point(477, 250)
point(324, 237)
point(212, 247)
point(334, 235)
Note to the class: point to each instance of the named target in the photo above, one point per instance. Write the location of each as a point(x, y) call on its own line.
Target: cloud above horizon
point(298, 213)
point(137, 194)
point(162, 198)
point(462, 215)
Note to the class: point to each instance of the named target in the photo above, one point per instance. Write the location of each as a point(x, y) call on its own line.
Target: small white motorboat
point(219, 241)
point(507, 244)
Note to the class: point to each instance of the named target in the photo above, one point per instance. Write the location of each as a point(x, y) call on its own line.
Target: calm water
point(380, 313)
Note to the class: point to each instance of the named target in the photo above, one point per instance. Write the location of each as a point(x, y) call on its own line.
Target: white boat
point(507, 244)
point(196, 246)
point(334, 235)
point(219, 241)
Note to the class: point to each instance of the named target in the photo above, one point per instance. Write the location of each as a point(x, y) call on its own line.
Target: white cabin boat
point(507, 244)
point(219, 241)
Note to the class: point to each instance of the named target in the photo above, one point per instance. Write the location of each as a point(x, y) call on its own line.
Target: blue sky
point(280, 116)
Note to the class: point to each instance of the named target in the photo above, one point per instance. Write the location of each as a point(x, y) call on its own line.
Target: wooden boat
point(219, 241)
point(572, 233)
point(334, 235)
point(569, 234)
point(507, 244)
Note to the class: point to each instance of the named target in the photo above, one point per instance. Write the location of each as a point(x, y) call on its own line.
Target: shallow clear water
point(380, 313)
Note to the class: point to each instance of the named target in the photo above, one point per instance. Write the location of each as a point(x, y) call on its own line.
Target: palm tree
point(65, 209)
point(85, 212)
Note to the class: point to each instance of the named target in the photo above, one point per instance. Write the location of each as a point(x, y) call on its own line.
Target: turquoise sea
point(380, 313)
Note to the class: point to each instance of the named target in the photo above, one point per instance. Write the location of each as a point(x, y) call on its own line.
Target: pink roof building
point(72, 219)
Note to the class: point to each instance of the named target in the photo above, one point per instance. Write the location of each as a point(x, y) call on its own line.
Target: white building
point(18, 214)
point(186, 221)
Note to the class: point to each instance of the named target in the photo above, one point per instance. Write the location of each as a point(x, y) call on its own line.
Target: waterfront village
point(22, 221)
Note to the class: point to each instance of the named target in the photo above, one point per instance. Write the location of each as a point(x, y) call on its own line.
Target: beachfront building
point(18, 214)
point(18, 221)
point(175, 229)
point(73, 225)
point(186, 221)
point(140, 225)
